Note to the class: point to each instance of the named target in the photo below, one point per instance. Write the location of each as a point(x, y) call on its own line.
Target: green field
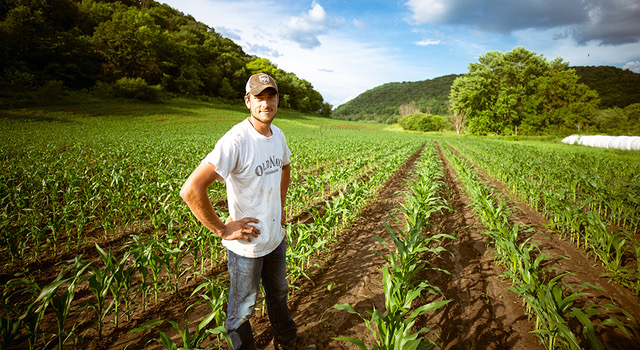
point(89, 200)
point(108, 166)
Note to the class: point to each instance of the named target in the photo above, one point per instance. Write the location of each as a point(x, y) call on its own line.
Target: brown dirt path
point(483, 313)
point(351, 274)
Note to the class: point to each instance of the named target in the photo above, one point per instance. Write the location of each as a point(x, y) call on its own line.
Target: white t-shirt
point(251, 166)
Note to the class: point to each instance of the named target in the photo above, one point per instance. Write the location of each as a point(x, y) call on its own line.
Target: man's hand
point(240, 229)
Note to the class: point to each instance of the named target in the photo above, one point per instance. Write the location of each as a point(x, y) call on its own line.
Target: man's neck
point(263, 128)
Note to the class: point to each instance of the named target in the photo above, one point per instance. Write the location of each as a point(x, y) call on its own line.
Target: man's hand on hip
point(241, 229)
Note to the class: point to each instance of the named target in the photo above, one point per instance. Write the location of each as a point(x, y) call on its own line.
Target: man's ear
point(246, 101)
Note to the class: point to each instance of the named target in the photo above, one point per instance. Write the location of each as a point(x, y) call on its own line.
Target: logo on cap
point(264, 79)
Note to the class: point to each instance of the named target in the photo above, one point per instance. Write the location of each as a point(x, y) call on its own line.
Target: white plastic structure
point(618, 142)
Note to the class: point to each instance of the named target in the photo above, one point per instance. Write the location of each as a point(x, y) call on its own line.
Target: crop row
point(552, 302)
point(305, 243)
point(597, 209)
point(393, 327)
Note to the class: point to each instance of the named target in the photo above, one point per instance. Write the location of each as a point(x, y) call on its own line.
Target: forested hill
point(125, 47)
point(616, 87)
point(382, 103)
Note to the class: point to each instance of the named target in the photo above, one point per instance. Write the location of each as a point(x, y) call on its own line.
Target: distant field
point(92, 227)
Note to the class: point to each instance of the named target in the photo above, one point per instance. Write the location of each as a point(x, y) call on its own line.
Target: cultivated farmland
point(394, 238)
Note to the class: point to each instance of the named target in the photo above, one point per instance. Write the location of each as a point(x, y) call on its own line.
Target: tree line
point(129, 45)
point(521, 92)
point(517, 92)
point(384, 103)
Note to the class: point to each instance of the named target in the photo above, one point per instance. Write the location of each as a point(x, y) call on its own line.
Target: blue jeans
point(245, 275)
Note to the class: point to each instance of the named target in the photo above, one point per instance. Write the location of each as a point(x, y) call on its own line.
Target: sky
point(346, 47)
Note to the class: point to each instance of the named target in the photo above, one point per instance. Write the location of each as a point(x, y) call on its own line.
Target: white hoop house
point(618, 142)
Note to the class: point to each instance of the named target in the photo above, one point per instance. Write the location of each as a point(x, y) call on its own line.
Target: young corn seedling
point(29, 319)
point(172, 258)
point(10, 328)
point(215, 294)
point(62, 303)
point(393, 329)
point(11, 321)
point(100, 281)
point(110, 280)
point(190, 340)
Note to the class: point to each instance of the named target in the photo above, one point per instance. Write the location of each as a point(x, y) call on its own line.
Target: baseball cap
point(258, 82)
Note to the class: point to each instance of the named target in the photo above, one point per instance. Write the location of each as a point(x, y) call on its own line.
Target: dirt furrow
point(565, 256)
point(483, 314)
point(351, 274)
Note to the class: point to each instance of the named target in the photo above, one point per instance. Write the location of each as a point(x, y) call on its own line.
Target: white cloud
point(633, 66)
point(230, 33)
point(339, 66)
point(262, 50)
point(428, 42)
point(434, 11)
point(359, 24)
point(306, 28)
point(339, 74)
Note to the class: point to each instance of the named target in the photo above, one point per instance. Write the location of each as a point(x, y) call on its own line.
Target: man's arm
point(194, 193)
point(284, 188)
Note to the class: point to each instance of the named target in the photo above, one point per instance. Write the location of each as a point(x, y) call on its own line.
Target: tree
point(326, 109)
point(562, 101)
point(129, 44)
point(503, 92)
point(226, 90)
point(262, 65)
point(422, 122)
point(39, 37)
point(408, 109)
point(458, 121)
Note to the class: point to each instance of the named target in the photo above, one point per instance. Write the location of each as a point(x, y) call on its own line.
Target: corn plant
point(190, 339)
point(61, 303)
point(149, 265)
point(10, 330)
point(393, 329)
point(171, 258)
point(215, 295)
point(121, 289)
point(110, 280)
point(302, 244)
point(18, 325)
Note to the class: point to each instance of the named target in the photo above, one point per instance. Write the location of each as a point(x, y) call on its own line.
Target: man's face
point(263, 106)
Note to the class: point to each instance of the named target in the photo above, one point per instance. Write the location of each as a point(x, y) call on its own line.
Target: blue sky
point(347, 47)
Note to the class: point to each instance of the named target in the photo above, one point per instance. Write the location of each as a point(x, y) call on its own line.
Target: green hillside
point(126, 48)
point(382, 103)
point(616, 87)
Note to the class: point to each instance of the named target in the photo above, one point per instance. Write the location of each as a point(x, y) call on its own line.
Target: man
point(253, 160)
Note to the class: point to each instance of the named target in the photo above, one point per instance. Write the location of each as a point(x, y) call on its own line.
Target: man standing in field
point(253, 160)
